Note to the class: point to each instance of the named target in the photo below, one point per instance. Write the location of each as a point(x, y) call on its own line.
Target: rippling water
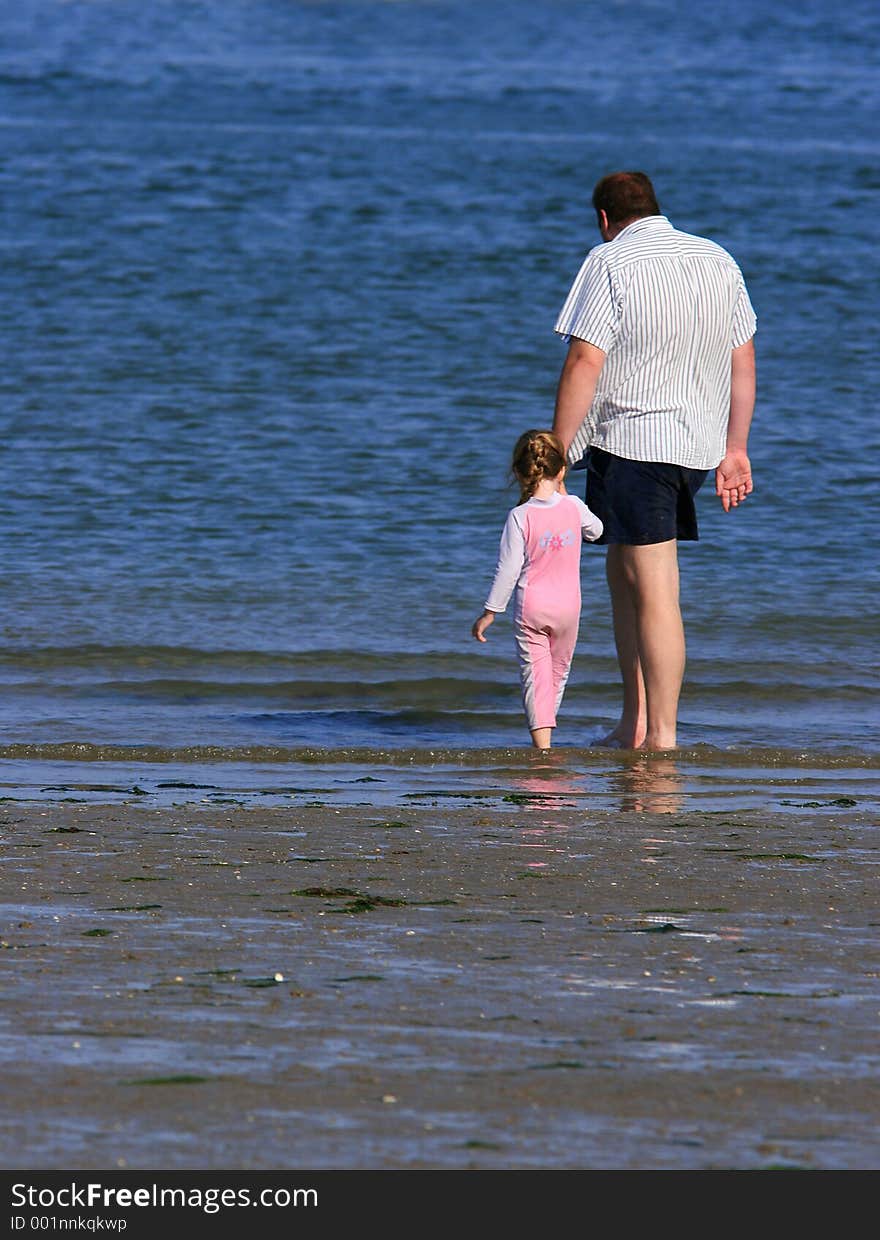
point(278, 287)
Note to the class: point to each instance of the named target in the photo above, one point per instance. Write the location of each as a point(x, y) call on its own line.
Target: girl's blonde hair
point(537, 455)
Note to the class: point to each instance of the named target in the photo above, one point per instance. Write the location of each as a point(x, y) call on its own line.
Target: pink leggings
point(545, 654)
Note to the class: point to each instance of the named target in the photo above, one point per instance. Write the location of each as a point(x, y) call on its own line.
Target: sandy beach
point(499, 985)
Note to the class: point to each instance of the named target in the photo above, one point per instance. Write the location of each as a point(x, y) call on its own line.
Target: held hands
point(733, 479)
point(481, 624)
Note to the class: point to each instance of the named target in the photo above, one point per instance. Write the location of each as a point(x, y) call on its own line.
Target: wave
point(433, 679)
point(423, 700)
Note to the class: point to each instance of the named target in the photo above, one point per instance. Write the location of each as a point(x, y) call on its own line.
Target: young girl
point(540, 557)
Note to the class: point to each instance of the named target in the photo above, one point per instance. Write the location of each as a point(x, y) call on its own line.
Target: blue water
point(277, 296)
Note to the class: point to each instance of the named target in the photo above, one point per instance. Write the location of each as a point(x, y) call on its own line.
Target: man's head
point(620, 198)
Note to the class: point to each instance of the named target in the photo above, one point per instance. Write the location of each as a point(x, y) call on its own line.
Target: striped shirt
point(666, 308)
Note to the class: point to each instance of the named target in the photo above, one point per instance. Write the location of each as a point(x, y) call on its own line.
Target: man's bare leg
point(649, 634)
point(652, 573)
point(630, 731)
point(541, 737)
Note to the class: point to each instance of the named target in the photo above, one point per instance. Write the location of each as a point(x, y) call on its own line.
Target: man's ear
point(602, 218)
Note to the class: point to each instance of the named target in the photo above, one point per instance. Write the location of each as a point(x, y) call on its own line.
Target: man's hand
point(733, 479)
point(481, 624)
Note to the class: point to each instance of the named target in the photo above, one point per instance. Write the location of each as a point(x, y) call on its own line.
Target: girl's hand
point(481, 624)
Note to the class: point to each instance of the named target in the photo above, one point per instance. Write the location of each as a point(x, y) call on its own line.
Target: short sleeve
point(590, 311)
point(744, 319)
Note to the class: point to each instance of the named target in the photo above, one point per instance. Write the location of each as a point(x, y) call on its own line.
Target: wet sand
point(501, 985)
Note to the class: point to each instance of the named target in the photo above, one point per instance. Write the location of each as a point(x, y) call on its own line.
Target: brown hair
point(625, 196)
point(536, 455)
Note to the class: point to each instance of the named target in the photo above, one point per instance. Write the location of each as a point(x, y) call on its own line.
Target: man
point(658, 387)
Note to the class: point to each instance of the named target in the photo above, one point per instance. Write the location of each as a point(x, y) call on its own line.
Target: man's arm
point(733, 477)
point(577, 385)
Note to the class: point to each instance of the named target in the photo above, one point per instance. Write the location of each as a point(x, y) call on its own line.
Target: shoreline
point(589, 780)
point(518, 984)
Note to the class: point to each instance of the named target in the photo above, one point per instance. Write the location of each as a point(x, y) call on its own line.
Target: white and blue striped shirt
point(666, 308)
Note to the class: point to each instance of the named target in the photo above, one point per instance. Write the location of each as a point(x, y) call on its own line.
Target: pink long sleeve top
point(540, 552)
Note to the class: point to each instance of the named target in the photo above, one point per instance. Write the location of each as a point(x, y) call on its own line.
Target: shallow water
point(784, 782)
point(278, 287)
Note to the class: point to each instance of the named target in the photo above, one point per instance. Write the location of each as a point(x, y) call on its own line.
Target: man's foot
point(622, 738)
point(660, 742)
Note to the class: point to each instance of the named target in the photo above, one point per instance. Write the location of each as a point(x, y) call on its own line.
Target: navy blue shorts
point(641, 502)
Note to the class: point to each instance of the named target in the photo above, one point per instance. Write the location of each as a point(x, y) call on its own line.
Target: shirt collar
point(648, 223)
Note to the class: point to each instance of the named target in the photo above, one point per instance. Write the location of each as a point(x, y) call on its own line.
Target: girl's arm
point(591, 525)
point(481, 624)
point(511, 558)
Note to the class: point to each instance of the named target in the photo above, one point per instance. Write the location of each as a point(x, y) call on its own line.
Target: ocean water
point(277, 291)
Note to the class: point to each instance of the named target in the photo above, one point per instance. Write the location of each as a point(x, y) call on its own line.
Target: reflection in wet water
point(644, 783)
point(649, 784)
point(548, 784)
